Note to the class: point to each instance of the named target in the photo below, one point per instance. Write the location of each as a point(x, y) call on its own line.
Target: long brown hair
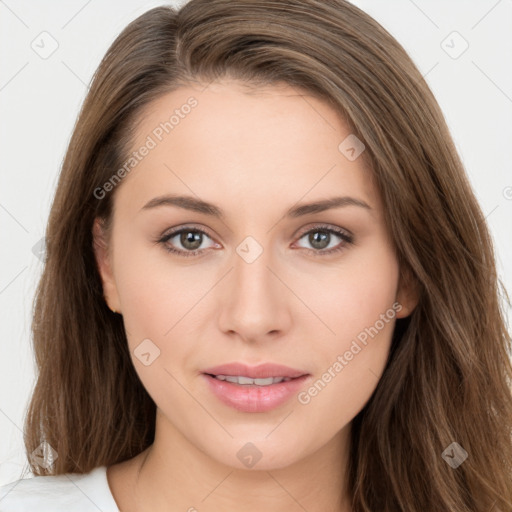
point(448, 375)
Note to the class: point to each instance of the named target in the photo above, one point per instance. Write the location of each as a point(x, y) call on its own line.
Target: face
point(255, 276)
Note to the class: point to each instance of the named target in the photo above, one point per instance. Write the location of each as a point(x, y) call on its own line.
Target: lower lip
point(252, 398)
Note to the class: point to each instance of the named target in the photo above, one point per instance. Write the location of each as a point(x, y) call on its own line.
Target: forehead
point(227, 139)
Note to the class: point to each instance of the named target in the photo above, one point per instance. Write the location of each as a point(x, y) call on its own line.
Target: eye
point(190, 238)
point(323, 239)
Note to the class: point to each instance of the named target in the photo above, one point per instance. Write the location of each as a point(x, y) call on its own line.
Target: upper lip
point(261, 371)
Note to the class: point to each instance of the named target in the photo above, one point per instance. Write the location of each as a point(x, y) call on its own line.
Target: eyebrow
point(200, 206)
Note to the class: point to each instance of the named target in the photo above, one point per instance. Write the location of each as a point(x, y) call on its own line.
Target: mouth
point(242, 380)
point(255, 394)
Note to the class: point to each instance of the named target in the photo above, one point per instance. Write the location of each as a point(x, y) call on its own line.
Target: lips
point(254, 398)
point(262, 371)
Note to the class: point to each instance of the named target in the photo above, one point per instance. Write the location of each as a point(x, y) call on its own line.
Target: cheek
point(155, 298)
point(359, 306)
point(161, 302)
point(154, 291)
point(351, 297)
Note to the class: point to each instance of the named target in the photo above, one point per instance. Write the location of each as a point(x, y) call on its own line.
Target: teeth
point(241, 379)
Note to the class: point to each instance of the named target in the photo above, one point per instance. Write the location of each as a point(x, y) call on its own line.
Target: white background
point(40, 98)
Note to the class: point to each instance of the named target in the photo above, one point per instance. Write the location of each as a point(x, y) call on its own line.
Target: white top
point(72, 492)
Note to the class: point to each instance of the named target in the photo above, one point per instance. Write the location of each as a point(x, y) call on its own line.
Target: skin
point(254, 156)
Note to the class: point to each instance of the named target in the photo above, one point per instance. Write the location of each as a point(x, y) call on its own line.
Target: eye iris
point(191, 237)
point(318, 239)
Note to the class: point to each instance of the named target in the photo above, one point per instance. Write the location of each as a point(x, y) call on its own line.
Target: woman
point(267, 280)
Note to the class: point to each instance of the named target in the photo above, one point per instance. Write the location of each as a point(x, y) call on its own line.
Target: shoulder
point(72, 491)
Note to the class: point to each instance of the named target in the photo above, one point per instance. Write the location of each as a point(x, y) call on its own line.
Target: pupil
point(191, 237)
point(319, 239)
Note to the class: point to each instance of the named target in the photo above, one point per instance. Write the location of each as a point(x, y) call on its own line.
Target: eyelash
point(347, 239)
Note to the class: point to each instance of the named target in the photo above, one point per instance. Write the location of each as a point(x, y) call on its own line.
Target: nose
point(255, 303)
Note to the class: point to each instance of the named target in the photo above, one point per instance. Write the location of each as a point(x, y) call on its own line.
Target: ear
point(408, 293)
point(104, 264)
